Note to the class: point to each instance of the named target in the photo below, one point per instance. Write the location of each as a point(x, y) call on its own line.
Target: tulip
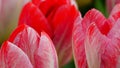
point(56, 18)
point(9, 14)
point(28, 49)
point(96, 40)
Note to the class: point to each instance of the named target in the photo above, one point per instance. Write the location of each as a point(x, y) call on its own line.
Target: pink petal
point(101, 51)
point(27, 39)
point(32, 16)
point(13, 57)
point(94, 46)
point(63, 24)
point(45, 55)
point(115, 32)
point(31, 43)
point(79, 34)
point(78, 44)
point(115, 14)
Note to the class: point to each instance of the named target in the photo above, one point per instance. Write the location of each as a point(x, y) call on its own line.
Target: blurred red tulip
point(55, 18)
point(96, 41)
point(9, 13)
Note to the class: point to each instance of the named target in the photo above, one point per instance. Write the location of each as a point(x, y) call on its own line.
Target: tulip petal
point(78, 44)
point(95, 16)
point(40, 50)
point(45, 55)
point(94, 46)
point(63, 24)
point(115, 32)
point(101, 52)
point(46, 6)
point(13, 57)
point(115, 14)
point(79, 34)
point(27, 39)
point(32, 16)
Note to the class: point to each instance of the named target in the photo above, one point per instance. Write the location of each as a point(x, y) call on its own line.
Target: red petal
point(31, 43)
point(45, 55)
point(32, 16)
point(46, 6)
point(63, 24)
point(13, 57)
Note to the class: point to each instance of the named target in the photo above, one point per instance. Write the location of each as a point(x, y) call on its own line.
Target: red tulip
point(96, 40)
point(56, 18)
point(31, 50)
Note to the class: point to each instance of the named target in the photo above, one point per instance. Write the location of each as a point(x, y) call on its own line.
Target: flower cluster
point(49, 32)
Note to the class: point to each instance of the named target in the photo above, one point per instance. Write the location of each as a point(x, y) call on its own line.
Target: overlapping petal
point(58, 16)
point(95, 46)
point(96, 40)
point(12, 56)
point(101, 51)
point(47, 6)
point(32, 16)
point(115, 14)
point(39, 49)
point(63, 24)
point(79, 33)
